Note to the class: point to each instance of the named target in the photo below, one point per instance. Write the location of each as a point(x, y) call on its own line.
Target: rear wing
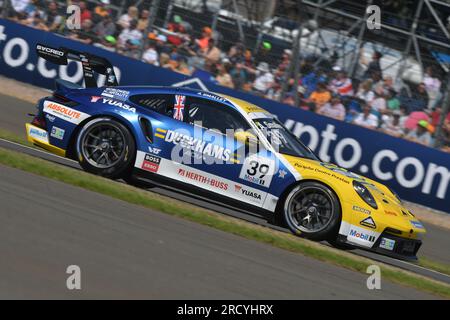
point(91, 63)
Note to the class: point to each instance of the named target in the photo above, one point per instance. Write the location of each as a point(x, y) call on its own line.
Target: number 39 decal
point(258, 170)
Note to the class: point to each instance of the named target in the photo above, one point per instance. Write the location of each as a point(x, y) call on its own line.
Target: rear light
point(39, 122)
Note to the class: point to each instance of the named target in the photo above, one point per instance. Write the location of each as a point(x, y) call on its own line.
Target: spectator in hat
point(108, 43)
point(223, 77)
point(211, 54)
point(236, 53)
point(105, 27)
point(130, 33)
point(125, 19)
point(203, 42)
point(391, 124)
point(132, 48)
point(421, 134)
point(264, 79)
point(101, 11)
point(333, 109)
point(264, 54)
point(366, 118)
point(151, 55)
point(285, 59)
point(365, 92)
point(176, 27)
point(341, 84)
point(320, 96)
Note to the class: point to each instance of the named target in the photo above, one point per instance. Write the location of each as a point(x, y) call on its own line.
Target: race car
point(220, 148)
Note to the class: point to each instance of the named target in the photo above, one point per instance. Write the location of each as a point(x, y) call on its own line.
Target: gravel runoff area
point(32, 93)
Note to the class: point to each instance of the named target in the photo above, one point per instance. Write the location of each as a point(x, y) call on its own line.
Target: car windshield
point(282, 139)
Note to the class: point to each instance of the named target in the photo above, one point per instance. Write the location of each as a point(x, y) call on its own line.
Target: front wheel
point(105, 147)
point(313, 211)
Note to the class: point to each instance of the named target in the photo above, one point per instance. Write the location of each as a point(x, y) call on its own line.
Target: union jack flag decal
point(178, 108)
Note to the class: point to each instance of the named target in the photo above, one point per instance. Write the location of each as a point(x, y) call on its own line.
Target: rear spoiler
point(91, 63)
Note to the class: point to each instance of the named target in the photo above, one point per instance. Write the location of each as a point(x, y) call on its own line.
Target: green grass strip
point(434, 265)
point(215, 220)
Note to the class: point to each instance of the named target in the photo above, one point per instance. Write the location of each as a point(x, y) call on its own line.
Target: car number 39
point(258, 170)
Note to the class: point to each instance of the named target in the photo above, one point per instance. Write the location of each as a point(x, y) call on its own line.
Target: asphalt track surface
point(125, 251)
point(13, 117)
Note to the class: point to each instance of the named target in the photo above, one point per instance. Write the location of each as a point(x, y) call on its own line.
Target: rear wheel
point(105, 147)
point(313, 211)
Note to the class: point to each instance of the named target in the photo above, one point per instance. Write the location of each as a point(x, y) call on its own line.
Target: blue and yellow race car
point(218, 147)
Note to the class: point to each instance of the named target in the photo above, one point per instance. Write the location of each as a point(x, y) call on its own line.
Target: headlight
point(365, 194)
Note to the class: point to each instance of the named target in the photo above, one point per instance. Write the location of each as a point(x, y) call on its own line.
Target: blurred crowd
point(372, 102)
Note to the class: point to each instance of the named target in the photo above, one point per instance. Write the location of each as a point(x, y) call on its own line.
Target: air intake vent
point(147, 129)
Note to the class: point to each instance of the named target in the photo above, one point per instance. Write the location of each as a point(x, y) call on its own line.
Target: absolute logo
point(205, 180)
point(114, 103)
point(64, 112)
point(151, 163)
point(198, 146)
point(360, 235)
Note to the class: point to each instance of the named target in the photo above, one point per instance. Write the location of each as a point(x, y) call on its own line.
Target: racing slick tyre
point(313, 211)
point(105, 147)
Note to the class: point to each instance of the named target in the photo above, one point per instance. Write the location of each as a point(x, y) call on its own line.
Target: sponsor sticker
point(360, 234)
point(38, 134)
point(368, 222)
point(57, 133)
point(211, 96)
point(50, 118)
point(116, 93)
point(154, 150)
point(198, 146)
point(151, 163)
point(258, 170)
point(281, 173)
point(359, 209)
point(390, 213)
point(387, 244)
point(203, 179)
point(64, 112)
point(252, 195)
point(113, 103)
point(178, 108)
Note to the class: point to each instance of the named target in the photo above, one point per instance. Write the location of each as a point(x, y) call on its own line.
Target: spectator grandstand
point(398, 86)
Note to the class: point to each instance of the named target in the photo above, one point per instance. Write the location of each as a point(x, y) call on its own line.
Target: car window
point(214, 115)
point(166, 104)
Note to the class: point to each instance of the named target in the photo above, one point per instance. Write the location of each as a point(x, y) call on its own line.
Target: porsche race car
point(220, 148)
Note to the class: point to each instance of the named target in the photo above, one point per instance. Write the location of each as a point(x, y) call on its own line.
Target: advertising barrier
point(417, 173)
